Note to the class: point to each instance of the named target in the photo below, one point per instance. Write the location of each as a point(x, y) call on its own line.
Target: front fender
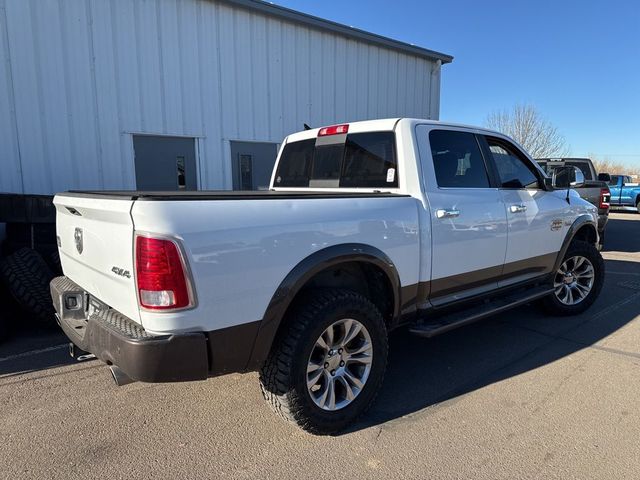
point(583, 221)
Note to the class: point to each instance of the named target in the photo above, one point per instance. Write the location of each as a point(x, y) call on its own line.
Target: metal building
point(169, 94)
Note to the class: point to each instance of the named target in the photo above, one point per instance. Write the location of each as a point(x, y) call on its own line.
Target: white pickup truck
point(367, 227)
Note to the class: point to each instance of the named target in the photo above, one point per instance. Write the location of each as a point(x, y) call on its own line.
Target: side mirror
point(578, 178)
point(604, 177)
point(565, 177)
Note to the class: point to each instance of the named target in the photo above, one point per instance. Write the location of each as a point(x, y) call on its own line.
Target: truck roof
point(382, 125)
point(564, 159)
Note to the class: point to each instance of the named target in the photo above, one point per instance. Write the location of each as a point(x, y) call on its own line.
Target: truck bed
point(225, 244)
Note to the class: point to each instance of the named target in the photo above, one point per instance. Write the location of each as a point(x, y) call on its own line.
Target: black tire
point(54, 262)
point(553, 306)
point(638, 205)
point(27, 276)
point(283, 376)
point(7, 312)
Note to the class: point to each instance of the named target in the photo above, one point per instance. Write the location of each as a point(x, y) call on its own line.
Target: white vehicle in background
point(367, 227)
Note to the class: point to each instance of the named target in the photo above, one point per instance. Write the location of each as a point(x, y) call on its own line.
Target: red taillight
point(333, 130)
point(160, 274)
point(605, 198)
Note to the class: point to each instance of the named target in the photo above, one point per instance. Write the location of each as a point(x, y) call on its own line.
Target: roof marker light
point(333, 130)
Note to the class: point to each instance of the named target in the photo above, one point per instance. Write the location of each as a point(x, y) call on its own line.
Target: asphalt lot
point(517, 396)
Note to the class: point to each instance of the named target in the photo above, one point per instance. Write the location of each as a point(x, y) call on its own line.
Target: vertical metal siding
point(79, 77)
point(11, 171)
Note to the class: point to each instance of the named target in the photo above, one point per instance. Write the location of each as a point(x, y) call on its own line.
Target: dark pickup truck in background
point(595, 189)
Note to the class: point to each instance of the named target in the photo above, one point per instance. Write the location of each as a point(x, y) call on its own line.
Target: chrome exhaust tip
point(119, 376)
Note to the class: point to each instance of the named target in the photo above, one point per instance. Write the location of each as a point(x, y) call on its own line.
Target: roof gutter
point(321, 24)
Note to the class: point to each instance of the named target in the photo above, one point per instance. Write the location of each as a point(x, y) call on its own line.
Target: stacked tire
point(25, 276)
point(7, 313)
point(28, 260)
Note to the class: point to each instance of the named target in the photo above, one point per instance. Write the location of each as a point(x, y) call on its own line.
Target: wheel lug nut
point(326, 364)
point(342, 363)
point(330, 352)
point(333, 373)
point(340, 350)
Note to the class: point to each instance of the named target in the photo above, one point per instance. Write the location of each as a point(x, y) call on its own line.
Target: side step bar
point(446, 323)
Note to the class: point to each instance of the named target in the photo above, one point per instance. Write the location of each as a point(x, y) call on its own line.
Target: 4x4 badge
point(556, 224)
point(121, 271)
point(77, 236)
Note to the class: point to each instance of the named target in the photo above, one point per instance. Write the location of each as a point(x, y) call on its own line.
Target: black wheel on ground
point(638, 205)
point(27, 276)
point(326, 367)
point(577, 282)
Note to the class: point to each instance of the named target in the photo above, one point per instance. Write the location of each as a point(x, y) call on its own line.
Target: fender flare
point(302, 273)
point(578, 223)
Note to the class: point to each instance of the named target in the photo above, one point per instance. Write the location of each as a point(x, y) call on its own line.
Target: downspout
point(434, 90)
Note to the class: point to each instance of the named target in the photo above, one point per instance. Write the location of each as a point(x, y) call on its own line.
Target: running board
point(471, 315)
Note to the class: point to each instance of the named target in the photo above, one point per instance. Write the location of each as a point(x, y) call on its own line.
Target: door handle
point(442, 213)
point(517, 208)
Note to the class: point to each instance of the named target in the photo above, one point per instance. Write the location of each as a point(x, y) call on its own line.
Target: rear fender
point(300, 276)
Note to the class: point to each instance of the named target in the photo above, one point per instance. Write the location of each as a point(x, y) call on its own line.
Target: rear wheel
point(638, 205)
point(327, 367)
point(577, 282)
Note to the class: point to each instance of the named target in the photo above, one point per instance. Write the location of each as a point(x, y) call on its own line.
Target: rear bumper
point(117, 340)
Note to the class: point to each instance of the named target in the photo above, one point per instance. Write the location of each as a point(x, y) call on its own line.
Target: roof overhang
point(338, 28)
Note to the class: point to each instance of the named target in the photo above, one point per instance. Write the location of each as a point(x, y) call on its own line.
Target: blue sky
point(578, 62)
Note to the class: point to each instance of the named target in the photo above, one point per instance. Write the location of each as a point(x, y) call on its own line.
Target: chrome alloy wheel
point(574, 280)
point(339, 364)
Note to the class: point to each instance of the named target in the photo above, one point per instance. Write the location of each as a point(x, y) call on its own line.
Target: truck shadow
point(425, 373)
point(31, 349)
point(623, 234)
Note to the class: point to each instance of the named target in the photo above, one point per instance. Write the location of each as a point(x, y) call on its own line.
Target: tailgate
point(95, 240)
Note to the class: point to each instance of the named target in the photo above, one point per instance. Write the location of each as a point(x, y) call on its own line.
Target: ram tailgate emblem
point(77, 236)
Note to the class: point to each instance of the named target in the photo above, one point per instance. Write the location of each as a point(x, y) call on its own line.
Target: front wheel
point(578, 281)
point(326, 368)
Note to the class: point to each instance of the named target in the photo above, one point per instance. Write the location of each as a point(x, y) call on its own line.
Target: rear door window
point(361, 160)
point(457, 160)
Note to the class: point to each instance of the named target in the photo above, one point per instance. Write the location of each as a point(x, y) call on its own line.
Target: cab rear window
point(363, 160)
point(549, 167)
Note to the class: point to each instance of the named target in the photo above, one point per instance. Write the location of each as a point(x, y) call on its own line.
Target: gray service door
point(252, 164)
point(165, 163)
